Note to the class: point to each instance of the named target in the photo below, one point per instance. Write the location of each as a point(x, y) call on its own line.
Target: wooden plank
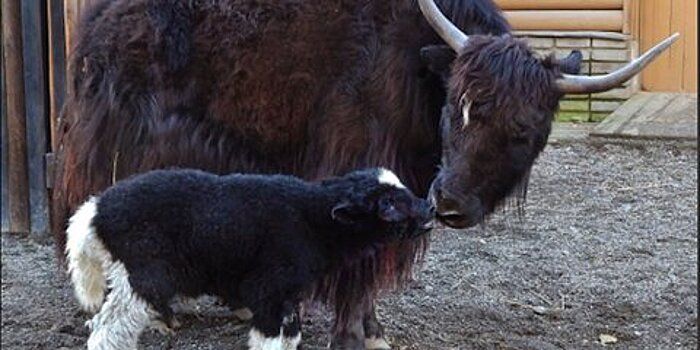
point(71, 10)
point(626, 16)
point(560, 4)
point(675, 71)
point(571, 34)
point(690, 47)
point(654, 26)
point(18, 184)
point(603, 20)
point(653, 116)
point(632, 9)
point(37, 111)
point(4, 197)
point(57, 66)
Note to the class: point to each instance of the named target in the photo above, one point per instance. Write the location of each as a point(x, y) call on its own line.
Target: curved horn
point(577, 84)
point(446, 29)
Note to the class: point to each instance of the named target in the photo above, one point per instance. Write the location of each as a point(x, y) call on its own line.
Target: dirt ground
point(608, 246)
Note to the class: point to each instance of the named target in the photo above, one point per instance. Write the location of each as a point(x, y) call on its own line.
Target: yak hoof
point(243, 314)
point(374, 343)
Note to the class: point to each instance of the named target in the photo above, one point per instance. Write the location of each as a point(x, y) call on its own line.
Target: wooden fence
point(33, 85)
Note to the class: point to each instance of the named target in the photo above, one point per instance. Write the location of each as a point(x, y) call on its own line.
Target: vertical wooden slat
point(675, 69)
point(57, 65)
point(632, 10)
point(690, 47)
point(4, 197)
point(71, 10)
point(18, 184)
point(36, 107)
point(626, 16)
point(656, 21)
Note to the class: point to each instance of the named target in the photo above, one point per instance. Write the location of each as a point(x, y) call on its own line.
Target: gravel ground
point(608, 246)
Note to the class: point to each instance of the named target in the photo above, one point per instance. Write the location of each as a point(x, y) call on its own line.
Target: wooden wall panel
point(690, 47)
point(603, 20)
point(560, 4)
point(17, 178)
point(57, 65)
point(675, 69)
point(34, 50)
point(5, 191)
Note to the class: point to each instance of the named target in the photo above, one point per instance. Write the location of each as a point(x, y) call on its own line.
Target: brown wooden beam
point(18, 179)
point(560, 4)
point(603, 20)
point(36, 106)
point(57, 65)
point(5, 207)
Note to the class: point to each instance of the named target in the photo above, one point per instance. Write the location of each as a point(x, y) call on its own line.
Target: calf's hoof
point(165, 329)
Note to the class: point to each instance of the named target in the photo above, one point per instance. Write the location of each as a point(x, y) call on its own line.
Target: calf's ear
point(344, 213)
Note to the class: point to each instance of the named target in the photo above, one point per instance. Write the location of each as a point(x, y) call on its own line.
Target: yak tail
point(87, 257)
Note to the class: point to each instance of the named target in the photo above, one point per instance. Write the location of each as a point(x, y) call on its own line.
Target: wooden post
point(36, 107)
point(57, 65)
point(18, 184)
point(4, 209)
point(71, 11)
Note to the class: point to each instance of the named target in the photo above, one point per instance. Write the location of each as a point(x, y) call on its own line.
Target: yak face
point(375, 202)
point(501, 100)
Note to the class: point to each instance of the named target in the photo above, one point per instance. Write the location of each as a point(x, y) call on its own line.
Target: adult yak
point(315, 88)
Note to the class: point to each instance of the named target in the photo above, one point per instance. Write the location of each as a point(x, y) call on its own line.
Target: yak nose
point(448, 209)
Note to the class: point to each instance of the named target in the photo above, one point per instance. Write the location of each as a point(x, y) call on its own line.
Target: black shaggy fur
point(303, 87)
point(311, 88)
point(263, 241)
point(511, 97)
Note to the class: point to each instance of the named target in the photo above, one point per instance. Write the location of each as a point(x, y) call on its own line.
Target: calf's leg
point(276, 327)
point(274, 299)
point(374, 332)
point(123, 316)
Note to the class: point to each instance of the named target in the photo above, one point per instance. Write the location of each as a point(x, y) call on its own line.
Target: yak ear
point(438, 59)
point(572, 63)
point(344, 213)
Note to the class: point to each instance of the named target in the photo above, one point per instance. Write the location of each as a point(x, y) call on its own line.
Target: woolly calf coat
point(253, 240)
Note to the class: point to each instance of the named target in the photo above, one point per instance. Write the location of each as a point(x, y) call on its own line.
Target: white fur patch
point(86, 255)
point(124, 315)
point(389, 178)
point(258, 341)
point(466, 105)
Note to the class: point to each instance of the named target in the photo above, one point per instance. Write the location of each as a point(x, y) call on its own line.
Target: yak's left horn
point(578, 84)
point(443, 26)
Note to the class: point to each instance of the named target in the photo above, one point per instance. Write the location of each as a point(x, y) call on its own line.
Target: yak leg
point(374, 332)
point(351, 335)
point(362, 331)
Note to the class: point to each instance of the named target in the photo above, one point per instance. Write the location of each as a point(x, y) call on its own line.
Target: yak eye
point(465, 104)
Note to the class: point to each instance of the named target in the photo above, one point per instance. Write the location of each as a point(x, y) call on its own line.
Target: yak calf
point(254, 240)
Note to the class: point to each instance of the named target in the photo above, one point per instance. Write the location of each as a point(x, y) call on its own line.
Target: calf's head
point(375, 202)
point(501, 100)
